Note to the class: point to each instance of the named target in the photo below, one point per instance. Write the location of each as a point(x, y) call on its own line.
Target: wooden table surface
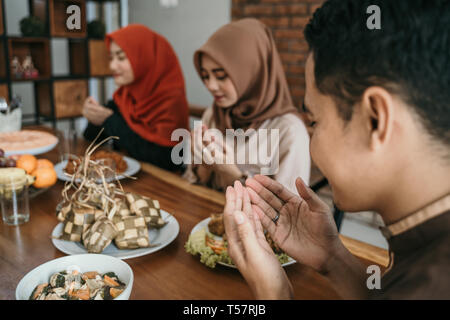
point(170, 273)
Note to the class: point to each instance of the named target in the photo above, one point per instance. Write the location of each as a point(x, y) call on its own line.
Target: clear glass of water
point(67, 144)
point(14, 202)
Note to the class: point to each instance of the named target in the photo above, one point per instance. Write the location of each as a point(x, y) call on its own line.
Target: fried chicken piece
point(120, 163)
point(216, 225)
point(71, 166)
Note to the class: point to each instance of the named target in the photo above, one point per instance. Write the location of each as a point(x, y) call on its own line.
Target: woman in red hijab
point(150, 102)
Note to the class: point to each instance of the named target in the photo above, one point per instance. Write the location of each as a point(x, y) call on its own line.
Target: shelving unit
point(38, 48)
point(5, 90)
point(56, 97)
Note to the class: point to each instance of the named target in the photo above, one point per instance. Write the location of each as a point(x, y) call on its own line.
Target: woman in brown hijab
point(241, 68)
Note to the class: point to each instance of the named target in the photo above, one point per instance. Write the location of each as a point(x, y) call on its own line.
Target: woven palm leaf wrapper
point(119, 211)
point(64, 211)
point(85, 201)
point(146, 207)
point(77, 221)
point(99, 235)
point(132, 233)
point(115, 215)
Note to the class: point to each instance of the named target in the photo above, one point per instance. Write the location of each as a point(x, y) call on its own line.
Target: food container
point(83, 262)
point(11, 121)
point(14, 202)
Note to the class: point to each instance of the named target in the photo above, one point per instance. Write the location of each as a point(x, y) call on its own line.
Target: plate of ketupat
point(104, 218)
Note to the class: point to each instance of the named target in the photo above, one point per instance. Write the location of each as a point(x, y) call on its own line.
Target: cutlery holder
point(11, 121)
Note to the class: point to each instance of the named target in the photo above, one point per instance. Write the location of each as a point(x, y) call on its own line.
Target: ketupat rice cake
point(77, 221)
point(99, 235)
point(146, 207)
point(132, 233)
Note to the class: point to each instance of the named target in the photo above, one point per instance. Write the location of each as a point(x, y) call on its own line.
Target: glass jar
point(14, 202)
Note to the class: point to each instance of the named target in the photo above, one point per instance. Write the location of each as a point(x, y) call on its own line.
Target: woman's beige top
point(293, 152)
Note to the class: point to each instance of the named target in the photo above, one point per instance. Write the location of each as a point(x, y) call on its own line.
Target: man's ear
point(377, 105)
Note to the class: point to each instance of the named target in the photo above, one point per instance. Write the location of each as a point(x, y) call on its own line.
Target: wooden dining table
point(169, 273)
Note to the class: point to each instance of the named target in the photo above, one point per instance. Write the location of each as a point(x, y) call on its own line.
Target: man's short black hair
point(409, 55)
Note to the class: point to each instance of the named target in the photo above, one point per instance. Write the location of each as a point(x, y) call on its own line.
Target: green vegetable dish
point(74, 285)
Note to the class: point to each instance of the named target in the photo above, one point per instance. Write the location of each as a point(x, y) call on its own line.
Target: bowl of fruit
point(40, 173)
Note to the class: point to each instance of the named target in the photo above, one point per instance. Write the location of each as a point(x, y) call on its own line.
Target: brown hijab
point(246, 51)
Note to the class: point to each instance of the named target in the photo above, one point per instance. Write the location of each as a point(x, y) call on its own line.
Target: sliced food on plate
point(208, 240)
point(40, 173)
point(116, 166)
point(119, 163)
point(27, 141)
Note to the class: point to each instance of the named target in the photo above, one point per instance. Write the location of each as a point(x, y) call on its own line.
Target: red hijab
point(154, 104)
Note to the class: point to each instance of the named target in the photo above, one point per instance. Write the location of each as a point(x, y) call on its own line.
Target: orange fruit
point(45, 177)
point(27, 162)
point(44, 163)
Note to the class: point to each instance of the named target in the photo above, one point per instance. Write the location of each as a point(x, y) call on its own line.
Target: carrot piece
point(90, 274)
point(214, 242)
point(110, 281)
point(216, 245)
point(217, 250)
point(82, 294)
point(39, 290)
point(115, 292)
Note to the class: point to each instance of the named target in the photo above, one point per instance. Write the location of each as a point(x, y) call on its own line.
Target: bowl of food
point(78, 277)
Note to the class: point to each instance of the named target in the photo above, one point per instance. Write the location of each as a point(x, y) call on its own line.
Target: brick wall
point(287, 19)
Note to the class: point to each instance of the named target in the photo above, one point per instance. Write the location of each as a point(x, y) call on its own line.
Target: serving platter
point(204, 224)
point(159, 237)
point(32, 142)
point(133, 167)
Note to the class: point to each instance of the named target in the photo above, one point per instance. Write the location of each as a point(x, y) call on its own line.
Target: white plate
point(85, 262)
point(204, 224)
point(133, 167)
point(163, 237)
point(33, 151)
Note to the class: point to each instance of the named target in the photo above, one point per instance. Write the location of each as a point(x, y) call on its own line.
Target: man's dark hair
point(408, 56)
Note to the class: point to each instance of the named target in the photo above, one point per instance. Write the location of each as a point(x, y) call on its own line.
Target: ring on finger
point(276, 218)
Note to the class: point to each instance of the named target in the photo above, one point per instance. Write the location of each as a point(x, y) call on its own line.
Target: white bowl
point(86, 262)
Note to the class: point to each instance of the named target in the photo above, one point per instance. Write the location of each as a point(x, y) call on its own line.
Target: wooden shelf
point(98, 58)
point(31, 79)
point(39, 10)
point(39, 50)
point(2, 61)
point(4, 93)
point(2, 30)
point(70, 77)
point(77, 57)
point(68, 97)
point(57, 97)
point(58, 18)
